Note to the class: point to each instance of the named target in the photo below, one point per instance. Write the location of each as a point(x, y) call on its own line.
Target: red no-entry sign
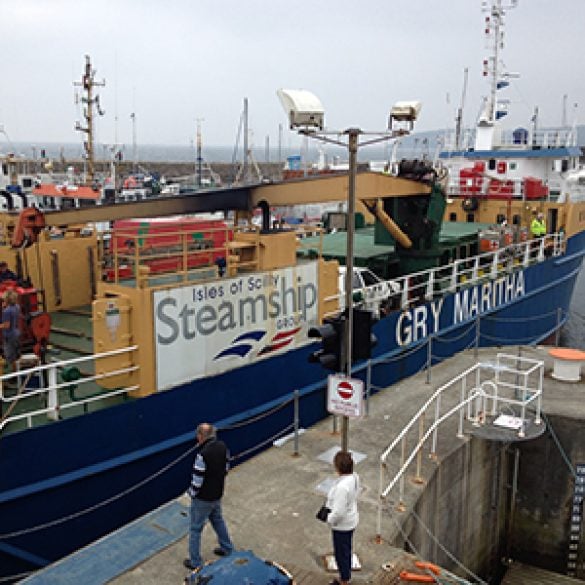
point(345, 396)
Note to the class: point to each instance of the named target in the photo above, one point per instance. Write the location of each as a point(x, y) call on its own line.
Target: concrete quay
point(271, 500)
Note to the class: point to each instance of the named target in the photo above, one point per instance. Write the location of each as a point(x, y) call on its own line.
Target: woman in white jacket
point(344, 517)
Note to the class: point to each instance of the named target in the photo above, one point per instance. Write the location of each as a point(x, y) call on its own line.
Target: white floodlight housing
point(406, 113)
point(304, 109)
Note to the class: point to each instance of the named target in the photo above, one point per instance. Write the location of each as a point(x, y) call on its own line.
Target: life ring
point(469, 204)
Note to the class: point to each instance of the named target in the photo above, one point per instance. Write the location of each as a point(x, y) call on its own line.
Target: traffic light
point(331, 334)
point(362, 339)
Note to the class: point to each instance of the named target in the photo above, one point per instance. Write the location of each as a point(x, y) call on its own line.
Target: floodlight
point(406, 113)
point(304, 108)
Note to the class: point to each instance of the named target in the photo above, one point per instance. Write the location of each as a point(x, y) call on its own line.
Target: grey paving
point(271, 500)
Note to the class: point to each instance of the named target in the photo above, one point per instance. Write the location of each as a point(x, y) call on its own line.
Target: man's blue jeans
point(201, 511)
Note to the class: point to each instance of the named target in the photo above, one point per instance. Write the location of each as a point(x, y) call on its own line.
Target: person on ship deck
point(538, 225)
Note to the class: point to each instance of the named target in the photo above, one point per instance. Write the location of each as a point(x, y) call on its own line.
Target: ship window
point(500, 218)
point(516, 219)
point(452, 217)
point(512, 166)
point(470, 217)
point(492, 164)
point(564, 166)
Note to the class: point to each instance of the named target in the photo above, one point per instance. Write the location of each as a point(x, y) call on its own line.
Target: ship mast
point(88, 83)
point(492, 67)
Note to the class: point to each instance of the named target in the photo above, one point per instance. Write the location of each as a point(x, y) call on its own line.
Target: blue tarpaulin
point(240, 567)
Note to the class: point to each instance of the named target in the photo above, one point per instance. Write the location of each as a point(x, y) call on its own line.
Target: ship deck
point(271, 500)
point(71, 337)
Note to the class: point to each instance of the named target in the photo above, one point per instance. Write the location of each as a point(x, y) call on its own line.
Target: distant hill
point(417, 145)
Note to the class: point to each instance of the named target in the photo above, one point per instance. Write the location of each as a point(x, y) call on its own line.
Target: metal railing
point(543, 139)
point(429, 284)
point(133, 256)
point(42, 382)
point(477, 395)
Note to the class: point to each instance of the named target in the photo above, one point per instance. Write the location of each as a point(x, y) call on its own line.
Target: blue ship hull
point(66, 484)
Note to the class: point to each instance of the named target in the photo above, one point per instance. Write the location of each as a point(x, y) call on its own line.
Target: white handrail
point(49, 372)
point(512, 380)
point(434, 282)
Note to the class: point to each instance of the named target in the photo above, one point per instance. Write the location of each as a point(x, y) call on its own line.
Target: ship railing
point(561, 137)
point(50, 390)
point(424, 286)
point(132, 256)
point(489, 188)
point(505, 396)
point(137, 257)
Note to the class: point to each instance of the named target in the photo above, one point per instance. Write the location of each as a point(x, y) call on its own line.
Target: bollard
point(296, 423)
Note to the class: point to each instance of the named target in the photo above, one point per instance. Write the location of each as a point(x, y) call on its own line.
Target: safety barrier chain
point(422, 368)
point(99, 504)
point(450, 555)
point(251, 420)
point(280, 433)
point(559, 446)
point(438, 359)
point(165, 468)
point(445, 339)
point(509, 340)
point(400, 355)
point(524, 319)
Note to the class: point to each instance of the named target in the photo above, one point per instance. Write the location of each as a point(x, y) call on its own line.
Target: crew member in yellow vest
point(538, 226)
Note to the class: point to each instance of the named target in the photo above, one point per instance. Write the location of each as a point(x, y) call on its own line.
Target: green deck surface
point(335, 245)
point(71, 337)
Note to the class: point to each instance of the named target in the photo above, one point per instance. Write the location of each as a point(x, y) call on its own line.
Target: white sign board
point(345, 396)
point(209, 328)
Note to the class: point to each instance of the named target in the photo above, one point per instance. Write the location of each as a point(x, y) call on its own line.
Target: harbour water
point(573, 334)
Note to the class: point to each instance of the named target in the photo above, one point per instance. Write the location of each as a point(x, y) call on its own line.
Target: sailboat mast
point(199, 154)
point(246, 147)
point(90, 101)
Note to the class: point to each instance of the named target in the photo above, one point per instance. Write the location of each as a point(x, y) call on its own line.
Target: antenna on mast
point(88, 83)
point(134, 145)
point(492, 67)
point(459, 118)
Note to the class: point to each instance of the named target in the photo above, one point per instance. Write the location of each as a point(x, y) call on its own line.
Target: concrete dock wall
point(464, 506)
point(540, 534)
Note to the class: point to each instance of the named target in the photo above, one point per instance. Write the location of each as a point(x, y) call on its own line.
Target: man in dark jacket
point(206, 490)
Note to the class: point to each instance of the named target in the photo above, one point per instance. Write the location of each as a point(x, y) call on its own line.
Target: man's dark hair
point(343, 462)
point(206, 430)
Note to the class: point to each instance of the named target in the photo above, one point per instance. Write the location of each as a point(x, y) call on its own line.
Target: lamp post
point(306, 115)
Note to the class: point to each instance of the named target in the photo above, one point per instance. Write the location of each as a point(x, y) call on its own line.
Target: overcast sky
point(173, 61)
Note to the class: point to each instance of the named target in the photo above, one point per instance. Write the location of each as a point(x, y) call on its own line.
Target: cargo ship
point(160, 325)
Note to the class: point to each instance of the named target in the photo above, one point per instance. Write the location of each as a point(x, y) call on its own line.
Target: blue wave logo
point(241, 346)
